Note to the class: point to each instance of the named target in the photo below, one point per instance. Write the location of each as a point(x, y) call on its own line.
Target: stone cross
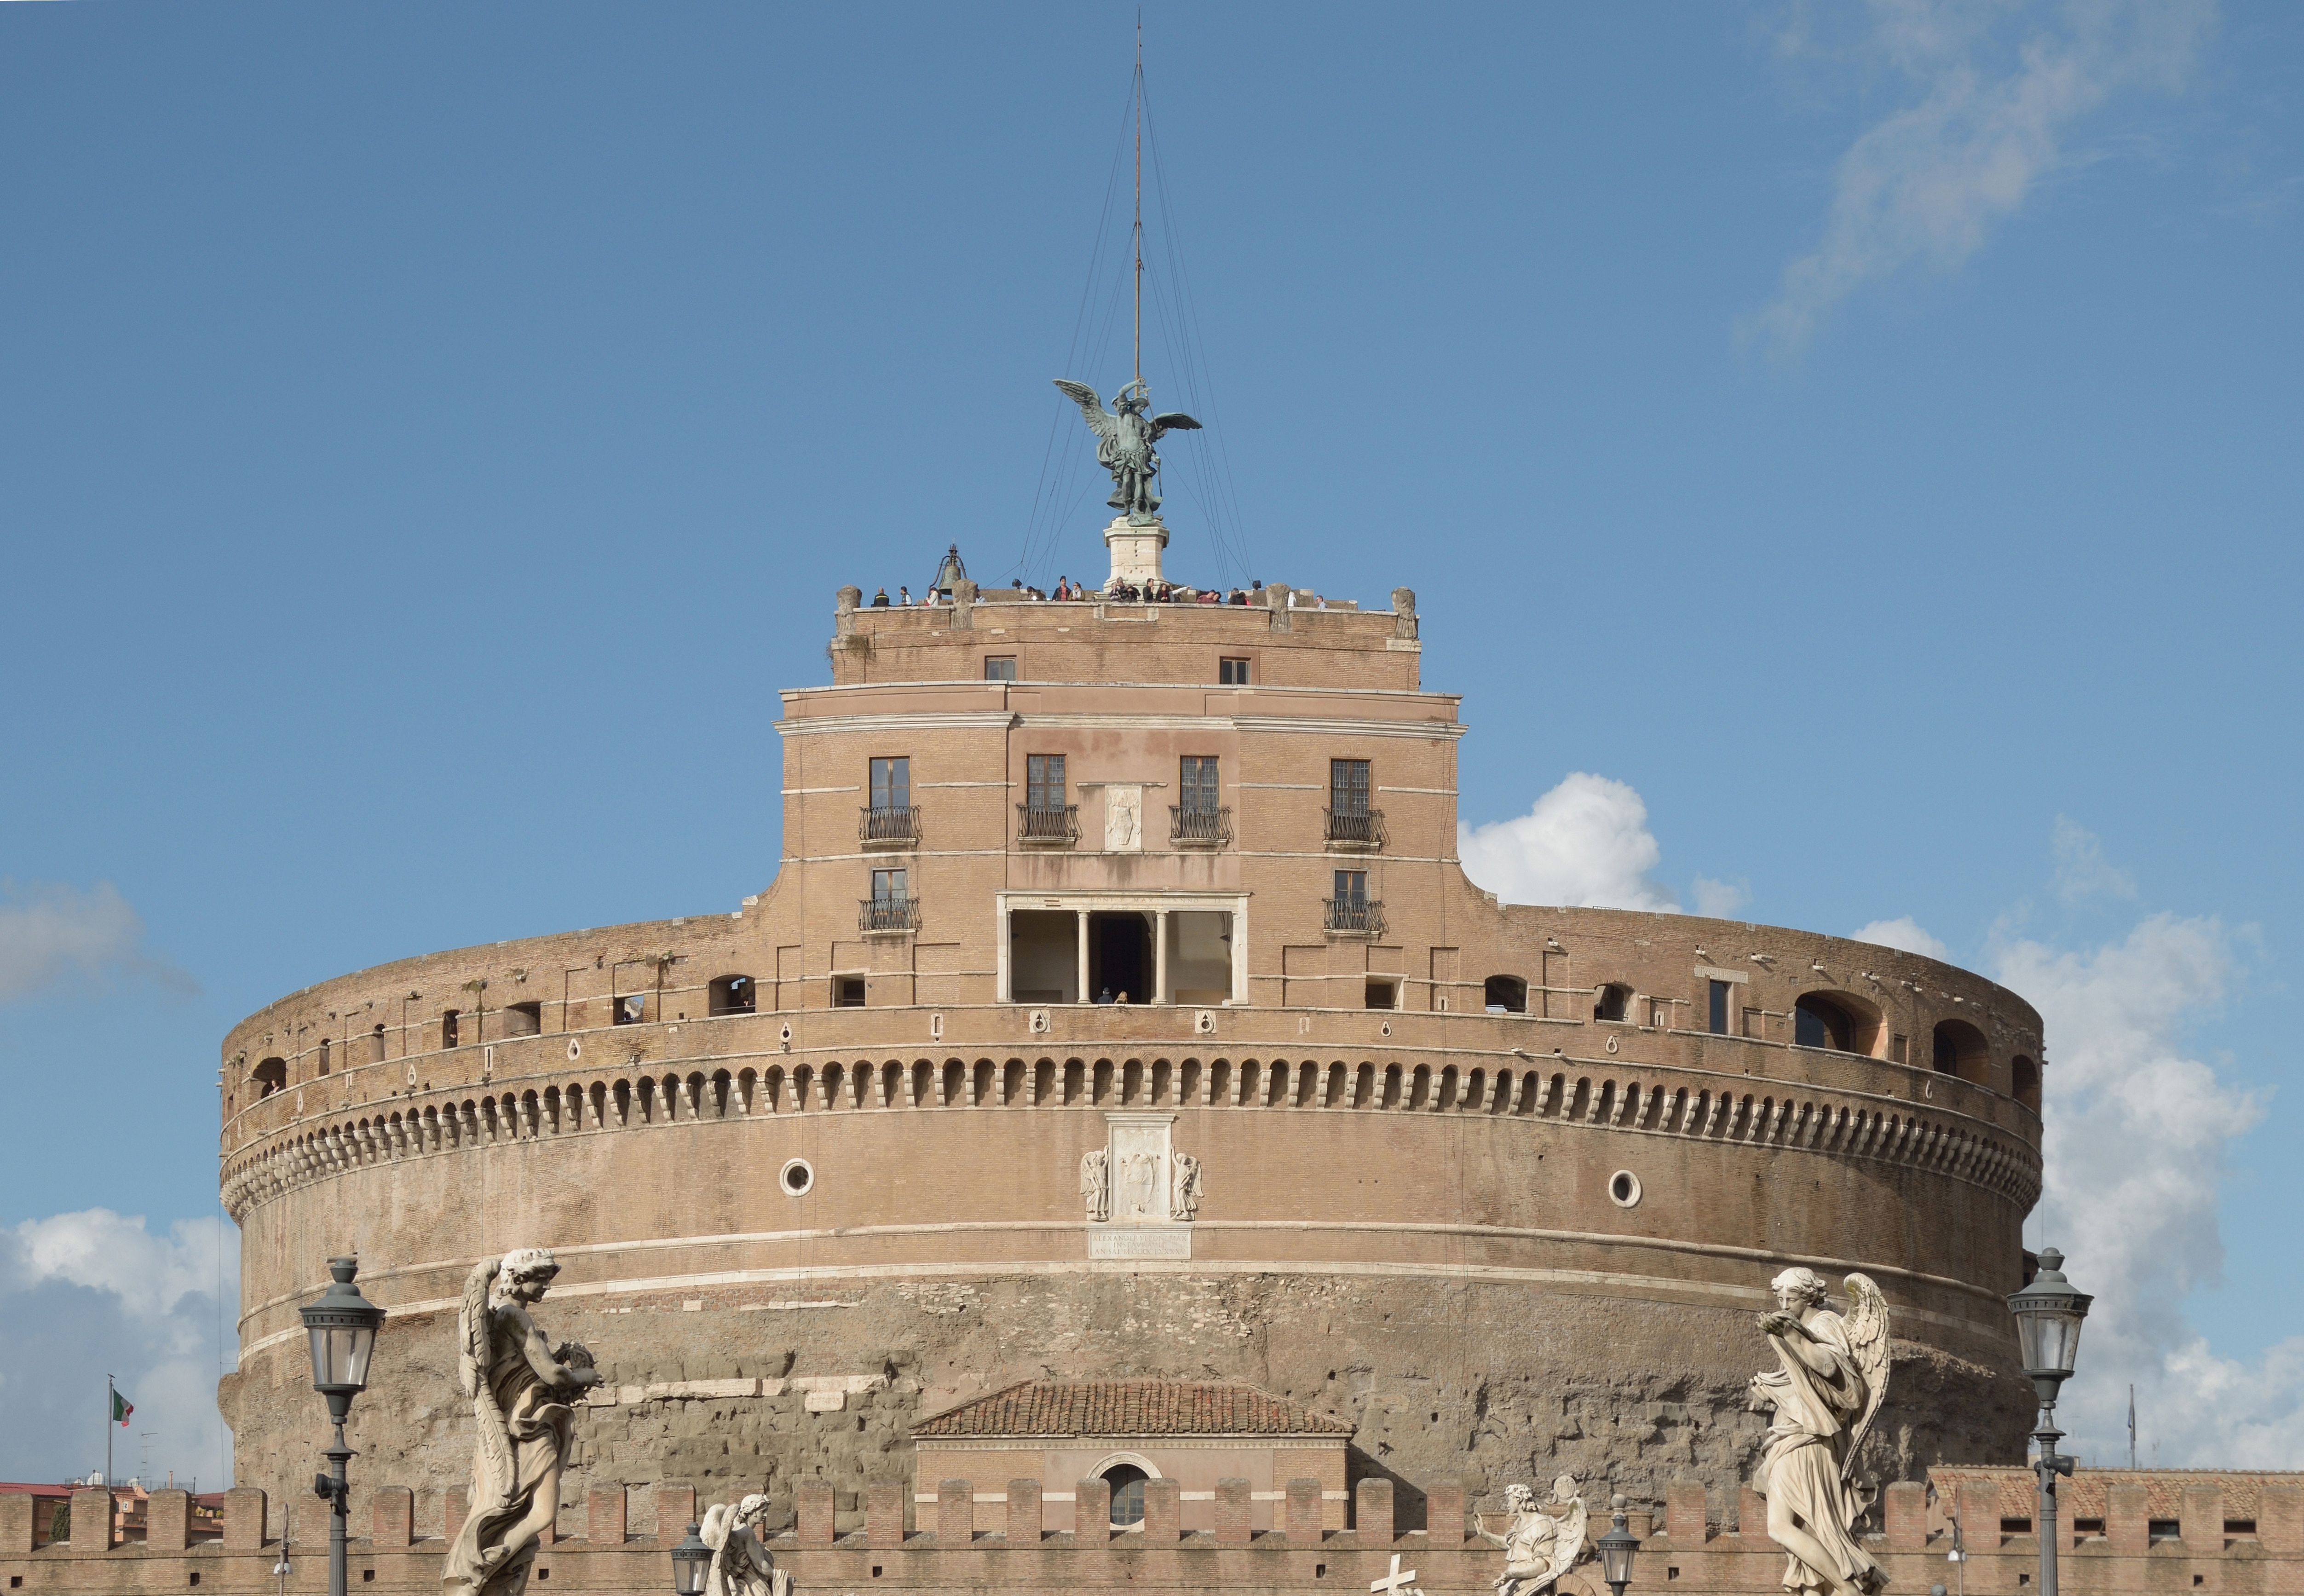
point(1394, 1583)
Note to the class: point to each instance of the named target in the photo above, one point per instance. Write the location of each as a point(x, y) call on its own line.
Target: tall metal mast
point(1139, 197)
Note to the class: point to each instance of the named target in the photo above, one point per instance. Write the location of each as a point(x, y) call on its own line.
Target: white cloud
point(84, 1295)
point(1904, 933)
point(2136, 1135)
point(48, 934)
point(2082, 871)
point(1718, 900)
point(1990, 121)
point(1585, 844)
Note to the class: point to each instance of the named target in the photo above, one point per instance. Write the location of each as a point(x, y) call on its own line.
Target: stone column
point(605, 1514)
point(675, 1510)
point(1684, 1515)
point(167, 1520)
point(1085, 994)
point(1163, 1511)
point(1235, 1521)
point(1906, 1515)
point(1092, 1513)
point(883, 1514)
point(812, 1501)
point(1160, 956)
point(243, 1519)
point(392, 1515)
point(955, 1514)
point(1372, 1512)
point(1303, 1523)
point(1443, 1515)
point(2202, 1524)
point(1023, 1513)
point(91, 1519)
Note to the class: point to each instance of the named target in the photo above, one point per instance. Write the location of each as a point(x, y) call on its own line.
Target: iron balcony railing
point(1190, 827)
point(885, 826)
point(1049, 827)
point(1359, 916)
point(1349, 830)
point(888, 915)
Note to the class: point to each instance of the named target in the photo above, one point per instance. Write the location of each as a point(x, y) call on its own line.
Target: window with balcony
point(1352, 909)
point(1231, 672)
point(1353, 823)
point(1044, 817)
point(890, 820)
point(1198, 819)
point(891, 907)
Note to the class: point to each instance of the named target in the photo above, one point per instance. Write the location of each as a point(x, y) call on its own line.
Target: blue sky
point(1857, 444)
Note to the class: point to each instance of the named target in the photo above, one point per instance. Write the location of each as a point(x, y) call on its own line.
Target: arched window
point(269, 1076)
point(2024, 1081)
point(1615, 1002)
point(733, 995)
point(1505, 995)
point(1820, 1023)
point(1962, 1050)
point(1127, 1483)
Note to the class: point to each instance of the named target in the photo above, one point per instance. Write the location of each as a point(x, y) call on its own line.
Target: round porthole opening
point(796, 1177)
point(1624, 1189)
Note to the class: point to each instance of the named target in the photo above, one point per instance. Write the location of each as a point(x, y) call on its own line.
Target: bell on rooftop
point(950, 573)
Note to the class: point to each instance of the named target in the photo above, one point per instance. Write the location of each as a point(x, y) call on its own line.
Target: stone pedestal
point(1135, 550)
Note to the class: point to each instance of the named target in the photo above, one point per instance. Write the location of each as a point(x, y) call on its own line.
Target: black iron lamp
point(2048, 1314)
point(1618, 1548)
point(341, 1325)
point(692, 1564)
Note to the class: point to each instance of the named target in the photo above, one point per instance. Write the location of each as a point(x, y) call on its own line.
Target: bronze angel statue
point(741, 1563)
point(522, 1390)
point(1124, 436)
point(1832, 1375)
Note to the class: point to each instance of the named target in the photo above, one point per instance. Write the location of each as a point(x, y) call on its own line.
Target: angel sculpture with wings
point(521, 1389)
point(740, 1564)
point(1540, 1543)
point(1124, 436)
point(1825, 1393)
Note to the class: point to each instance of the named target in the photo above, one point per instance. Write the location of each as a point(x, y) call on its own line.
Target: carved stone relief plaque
point(1140, 1194)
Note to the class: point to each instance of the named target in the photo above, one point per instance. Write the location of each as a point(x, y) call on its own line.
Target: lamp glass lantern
point(692, 1564)
point(342, 1326)
point(2048, 1314)
point(1617, 1550)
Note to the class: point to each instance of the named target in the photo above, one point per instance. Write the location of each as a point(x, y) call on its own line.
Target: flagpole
point(110, 1400)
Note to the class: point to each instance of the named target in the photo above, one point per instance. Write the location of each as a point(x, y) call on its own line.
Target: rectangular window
point(1000, 667)
point(1231, 672)
point(1196, 785)
point(888, 886)
point(848, 991)
point(1348, 786)
point(448, 1019)
point(1044, 781)
point(891, 783)
point(1716, 1020)
point(1351, 890)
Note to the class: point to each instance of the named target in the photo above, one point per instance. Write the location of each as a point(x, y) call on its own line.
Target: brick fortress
point(1373, 1196)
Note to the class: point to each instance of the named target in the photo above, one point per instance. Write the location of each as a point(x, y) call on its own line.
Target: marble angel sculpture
point(1096, 1183)
point(1832, 1375)
point(741, 1563)
point(1539, 1546)
point(521, 1389)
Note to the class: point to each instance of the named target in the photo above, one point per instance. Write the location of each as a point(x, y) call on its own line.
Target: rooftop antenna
point(1139, 198)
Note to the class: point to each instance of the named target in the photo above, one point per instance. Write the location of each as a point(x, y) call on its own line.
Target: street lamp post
point(1618, 1548)
point(2048, 1313)
point(341, 1325)
point(692, 1564)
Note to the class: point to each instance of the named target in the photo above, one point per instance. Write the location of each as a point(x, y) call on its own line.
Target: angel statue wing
point(1868, 1339)
point(1099, 420)
point(1174, 420)
point(475, 1325)
point(1569, 1544)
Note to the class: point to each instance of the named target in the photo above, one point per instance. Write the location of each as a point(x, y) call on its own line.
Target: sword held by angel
point(1124, 436)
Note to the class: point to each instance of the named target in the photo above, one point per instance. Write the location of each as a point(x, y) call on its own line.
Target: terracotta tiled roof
point(1129, 1407)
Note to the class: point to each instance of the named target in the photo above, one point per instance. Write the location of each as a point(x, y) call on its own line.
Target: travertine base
point(1135, 550)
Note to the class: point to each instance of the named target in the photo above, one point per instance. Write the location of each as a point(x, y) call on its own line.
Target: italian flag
point(121, 1408)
